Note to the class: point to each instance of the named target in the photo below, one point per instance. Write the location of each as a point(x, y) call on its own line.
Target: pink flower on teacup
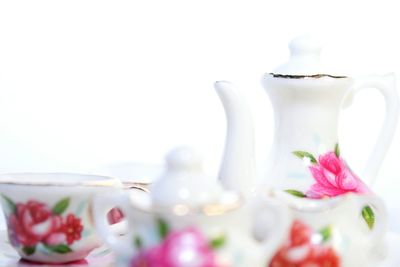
point(333, 178)
point(185, 248)
point(115, 216)
point(32, 222)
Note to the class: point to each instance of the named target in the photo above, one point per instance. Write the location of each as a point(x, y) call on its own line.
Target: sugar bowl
point(188, 219)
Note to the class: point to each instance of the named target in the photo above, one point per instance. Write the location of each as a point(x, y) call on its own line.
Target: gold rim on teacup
point(48, 179)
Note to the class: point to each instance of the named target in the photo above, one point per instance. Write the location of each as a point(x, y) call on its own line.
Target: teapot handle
point(102, 204)
point(386, 85)
point(271, 221)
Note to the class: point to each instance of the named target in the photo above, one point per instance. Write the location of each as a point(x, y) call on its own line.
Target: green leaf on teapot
point(218, 242)
point(326, 233)
point(295, 193)
point(11, 205)
point(29, 250)
point(163, 228)
point(337, 150)
point(60, 249)
point(369, 216)
point(138, 242)
point(61, 206)
point(304, 154)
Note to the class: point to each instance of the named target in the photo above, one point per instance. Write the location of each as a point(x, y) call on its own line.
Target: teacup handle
point(271, 221)
point(386, 86)
point(102, 204)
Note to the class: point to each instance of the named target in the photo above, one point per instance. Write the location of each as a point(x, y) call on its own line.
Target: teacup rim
point(95, 180)
point(315, 205)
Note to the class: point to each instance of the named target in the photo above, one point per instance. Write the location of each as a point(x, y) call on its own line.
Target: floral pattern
point(115, 216)
point(301, 249)
point(332, 177)
point(33, 223)
point(180, 248)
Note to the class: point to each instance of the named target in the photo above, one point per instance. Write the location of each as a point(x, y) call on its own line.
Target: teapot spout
point(237, 171)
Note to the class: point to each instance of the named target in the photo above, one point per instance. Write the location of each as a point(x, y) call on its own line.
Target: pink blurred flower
point(186, 248)
point(333, 178)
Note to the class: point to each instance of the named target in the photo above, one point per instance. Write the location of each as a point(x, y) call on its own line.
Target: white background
point(85, 84)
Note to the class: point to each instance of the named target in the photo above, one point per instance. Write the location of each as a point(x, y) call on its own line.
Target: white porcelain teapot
point(307, 99)
point(189, 220)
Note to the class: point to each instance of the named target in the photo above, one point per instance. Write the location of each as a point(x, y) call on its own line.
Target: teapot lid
point(184, 182)
point(305, 60)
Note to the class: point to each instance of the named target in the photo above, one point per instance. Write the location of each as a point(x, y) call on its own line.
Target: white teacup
point(49, 215)
point(346, 231)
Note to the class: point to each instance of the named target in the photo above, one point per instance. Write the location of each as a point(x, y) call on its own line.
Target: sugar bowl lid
point(184, 182)
point(304, 60)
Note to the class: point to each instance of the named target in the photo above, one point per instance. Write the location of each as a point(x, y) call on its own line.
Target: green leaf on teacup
point(304, 154)
point(337, 150)
point(218, 242)
point(138, 242)
point(163, 228)
point(29, 250)
point(369, 216)
point(326, 233)
point(295, 193)
point(11, 205)
point(61, 206)
point(61, 249)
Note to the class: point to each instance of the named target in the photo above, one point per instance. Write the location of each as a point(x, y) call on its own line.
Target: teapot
point(189, 220)
point(305, 155)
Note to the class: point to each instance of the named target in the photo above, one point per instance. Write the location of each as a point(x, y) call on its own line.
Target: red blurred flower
point(299, 251)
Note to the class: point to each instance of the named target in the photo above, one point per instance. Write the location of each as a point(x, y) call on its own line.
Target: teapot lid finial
point(184, 182)
point(304, 58)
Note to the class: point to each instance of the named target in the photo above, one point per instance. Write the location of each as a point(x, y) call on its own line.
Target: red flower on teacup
point(34, 222)
point(68, 231)
point(300, 251)
point(72, 227)
point(187, 247)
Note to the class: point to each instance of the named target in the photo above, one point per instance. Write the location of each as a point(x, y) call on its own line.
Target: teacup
point(49, 215)
point(346, 231)
point(227, 232)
